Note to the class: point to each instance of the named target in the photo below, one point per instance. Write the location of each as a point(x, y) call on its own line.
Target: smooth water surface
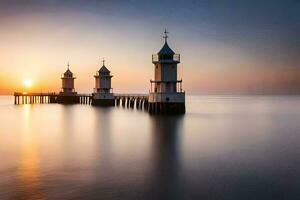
point(224, 147)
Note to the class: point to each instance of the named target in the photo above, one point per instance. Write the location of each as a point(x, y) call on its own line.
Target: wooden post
point(137, 106)
point(128, 102)
point(122, 101)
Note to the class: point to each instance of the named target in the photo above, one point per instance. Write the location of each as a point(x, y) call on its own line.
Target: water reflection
point(103, 144)
point(100, 184)
point(29, 183)
point(226, 150)
point(165, 175)
point(68, 137)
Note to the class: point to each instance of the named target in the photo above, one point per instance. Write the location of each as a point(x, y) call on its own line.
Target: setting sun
point(28, 83)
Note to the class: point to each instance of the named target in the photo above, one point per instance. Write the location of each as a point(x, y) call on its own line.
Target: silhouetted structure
point(68, 95)
point(103, 95)
point(166, 94)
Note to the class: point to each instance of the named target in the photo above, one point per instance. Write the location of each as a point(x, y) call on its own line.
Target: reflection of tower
point(68, 94)
point(68, 139)
point(167, 95)
point(103, 95)
point(165, 180)
point(103, 156)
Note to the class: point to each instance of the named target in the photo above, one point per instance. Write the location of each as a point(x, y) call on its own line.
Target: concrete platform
point(103, 102)
point(68, 99)
point(166, 108)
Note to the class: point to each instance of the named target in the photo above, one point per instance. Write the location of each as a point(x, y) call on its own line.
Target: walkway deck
point(138, 101)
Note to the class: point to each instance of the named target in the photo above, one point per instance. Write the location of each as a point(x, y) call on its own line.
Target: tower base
point(166, 108)
point(103, 102)
point(67, 99)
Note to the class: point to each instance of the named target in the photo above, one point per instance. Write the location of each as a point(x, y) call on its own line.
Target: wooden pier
point(35, 98)
point(45, 98)
point(131, 101)
point(138, 101)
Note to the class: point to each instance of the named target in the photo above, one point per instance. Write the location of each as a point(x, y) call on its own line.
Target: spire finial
point(166, 35)
point(68, 64)
point(103, 61)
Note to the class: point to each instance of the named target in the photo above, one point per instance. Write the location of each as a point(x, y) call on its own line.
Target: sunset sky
point(226, 46)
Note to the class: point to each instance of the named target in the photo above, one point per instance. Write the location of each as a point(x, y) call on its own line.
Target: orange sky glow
point(38, 46)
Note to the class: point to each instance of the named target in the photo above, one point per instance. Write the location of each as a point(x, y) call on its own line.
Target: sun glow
point(28, 83)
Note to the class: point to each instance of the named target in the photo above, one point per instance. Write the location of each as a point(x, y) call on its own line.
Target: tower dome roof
point(68, 72)
point(166, 50)
point(103, 69)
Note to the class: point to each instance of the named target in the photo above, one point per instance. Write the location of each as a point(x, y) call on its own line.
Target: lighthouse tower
point(68, 94)
point(103, 95)
point(68, 82)
point(166, 94)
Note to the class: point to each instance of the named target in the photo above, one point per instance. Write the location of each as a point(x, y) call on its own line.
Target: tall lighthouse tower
point(166, 94)
point(68, 93)
point(103, 95)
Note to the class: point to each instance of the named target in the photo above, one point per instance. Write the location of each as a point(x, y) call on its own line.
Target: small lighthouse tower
point(103, 95)
point(68, 94)
point(68, 82)
point(166, 94)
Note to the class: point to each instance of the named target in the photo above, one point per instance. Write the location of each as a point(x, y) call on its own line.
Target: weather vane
point(103, 61)
point(68, 64)
point(166, 35)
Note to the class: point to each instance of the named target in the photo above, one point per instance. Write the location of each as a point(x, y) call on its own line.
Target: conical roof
point(103, 69)
point(166, 50)
point(68, 73)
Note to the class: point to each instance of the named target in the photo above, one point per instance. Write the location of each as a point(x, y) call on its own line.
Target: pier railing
point(34, 93)
point(35, 97)
point(50, 97)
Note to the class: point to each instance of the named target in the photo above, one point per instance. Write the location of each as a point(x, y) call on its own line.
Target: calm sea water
point(224, 147)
